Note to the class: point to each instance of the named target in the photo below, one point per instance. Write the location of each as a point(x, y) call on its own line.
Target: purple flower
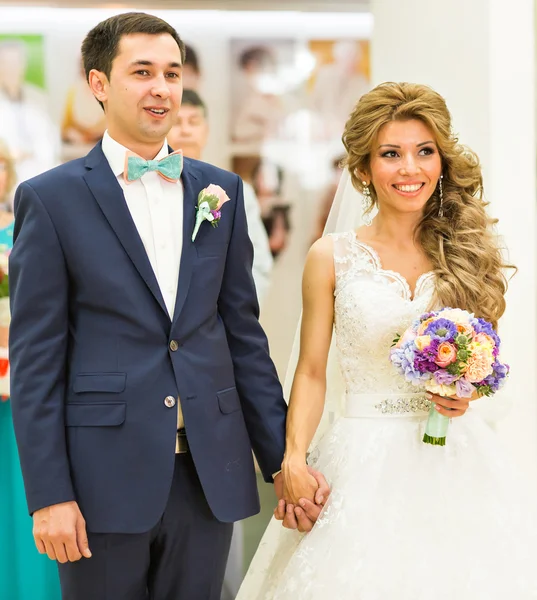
point(464, 388)
point(423, 364)
point(431, 351)
point(482, 326)
point(442, 377)
point(498, 376)
point(403, 358)
point(500, 370)
point(496, 379)
point(442, 330)
point(216, 214)
point(426, 316)
point(491, 382)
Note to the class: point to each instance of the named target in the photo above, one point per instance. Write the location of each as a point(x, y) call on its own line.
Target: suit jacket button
point(169, 401)
point(173, 345)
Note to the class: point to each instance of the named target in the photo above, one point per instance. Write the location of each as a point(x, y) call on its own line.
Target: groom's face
point(143, 94)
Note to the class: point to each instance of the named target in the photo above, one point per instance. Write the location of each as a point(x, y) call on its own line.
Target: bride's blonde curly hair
point(461, 245)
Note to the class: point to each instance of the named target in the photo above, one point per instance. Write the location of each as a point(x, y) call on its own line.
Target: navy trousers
point(182, 558)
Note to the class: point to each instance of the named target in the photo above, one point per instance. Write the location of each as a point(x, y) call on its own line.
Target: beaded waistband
point(386, 405)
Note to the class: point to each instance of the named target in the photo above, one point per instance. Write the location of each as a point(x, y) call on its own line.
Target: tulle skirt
point(406, 520)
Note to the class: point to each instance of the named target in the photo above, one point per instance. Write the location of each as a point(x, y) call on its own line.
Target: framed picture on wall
point(25, 123)
point(340, 77)
point(83, 120)
point(22, 68)
point(262, 92)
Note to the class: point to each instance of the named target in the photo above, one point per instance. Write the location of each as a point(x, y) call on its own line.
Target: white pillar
point(480, 56)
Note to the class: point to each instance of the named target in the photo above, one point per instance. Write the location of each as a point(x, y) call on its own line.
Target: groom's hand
point(304, 516)
point(278, 485)
point(60, 532)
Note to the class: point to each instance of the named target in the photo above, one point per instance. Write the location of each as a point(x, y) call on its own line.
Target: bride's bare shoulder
point(320, 260)
point(323, 248)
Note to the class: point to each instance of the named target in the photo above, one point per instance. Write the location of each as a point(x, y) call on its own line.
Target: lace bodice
point(371, 306)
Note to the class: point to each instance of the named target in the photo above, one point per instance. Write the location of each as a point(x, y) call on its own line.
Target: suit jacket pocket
point(228, 400)
point(100, 382)
point(95, 414)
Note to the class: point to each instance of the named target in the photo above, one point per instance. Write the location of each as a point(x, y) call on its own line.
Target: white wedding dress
point(405, 520)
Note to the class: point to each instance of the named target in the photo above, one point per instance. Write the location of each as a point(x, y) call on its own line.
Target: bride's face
point(405, 166)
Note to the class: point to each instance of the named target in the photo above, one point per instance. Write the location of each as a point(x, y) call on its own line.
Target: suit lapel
point(191, 189)
point(109, 196)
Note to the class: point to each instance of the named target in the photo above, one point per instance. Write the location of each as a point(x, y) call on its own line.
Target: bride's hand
point(452, 406)
point(298, 482)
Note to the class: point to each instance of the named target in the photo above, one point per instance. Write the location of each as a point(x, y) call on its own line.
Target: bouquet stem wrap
point(436, 428)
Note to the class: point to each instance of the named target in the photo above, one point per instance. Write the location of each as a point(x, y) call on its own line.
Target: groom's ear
point(98, 82)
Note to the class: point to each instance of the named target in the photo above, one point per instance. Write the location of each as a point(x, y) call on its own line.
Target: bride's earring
point(367, 204)
point(441, 209)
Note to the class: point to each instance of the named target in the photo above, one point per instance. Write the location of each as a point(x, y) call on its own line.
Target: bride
point(404, 520)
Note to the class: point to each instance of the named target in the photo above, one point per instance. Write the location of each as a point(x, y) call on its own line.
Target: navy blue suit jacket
point(91, 361)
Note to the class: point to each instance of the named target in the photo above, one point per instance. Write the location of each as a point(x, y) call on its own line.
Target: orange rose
point(447, 354)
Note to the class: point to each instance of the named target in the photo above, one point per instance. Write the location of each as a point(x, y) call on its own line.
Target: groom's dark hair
point(101, 44)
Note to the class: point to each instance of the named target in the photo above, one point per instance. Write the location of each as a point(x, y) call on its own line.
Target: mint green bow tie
point(169, 167)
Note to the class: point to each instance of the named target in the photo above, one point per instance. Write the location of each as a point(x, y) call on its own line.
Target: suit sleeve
point(257, 382)
point(39, 283)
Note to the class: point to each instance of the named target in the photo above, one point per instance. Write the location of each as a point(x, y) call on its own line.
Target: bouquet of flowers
point(449, 353)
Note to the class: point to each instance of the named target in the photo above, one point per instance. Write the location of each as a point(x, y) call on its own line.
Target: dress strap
point(350, 258)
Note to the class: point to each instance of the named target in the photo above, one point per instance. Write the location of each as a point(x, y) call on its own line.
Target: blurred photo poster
point(25, 123)
point(83, 122)
point(290, 100)
point(341, 75)
point(22, 67)
point(192, 69)
point(263, 85)
point(266, 91)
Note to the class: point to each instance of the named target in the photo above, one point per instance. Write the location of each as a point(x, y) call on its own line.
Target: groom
point(140, 374)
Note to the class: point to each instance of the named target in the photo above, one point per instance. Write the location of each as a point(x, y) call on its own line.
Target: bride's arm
point(309, 383)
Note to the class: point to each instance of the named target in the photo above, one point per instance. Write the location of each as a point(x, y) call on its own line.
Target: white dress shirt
point(156, 207)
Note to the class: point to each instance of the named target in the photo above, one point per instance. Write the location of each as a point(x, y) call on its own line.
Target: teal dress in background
point(24, 573)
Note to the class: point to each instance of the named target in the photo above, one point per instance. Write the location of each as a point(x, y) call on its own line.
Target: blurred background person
point(191, 70)
point(190, 134)
point(84, 121)
point(267, 181)
point(32, 138)
point(18, 554)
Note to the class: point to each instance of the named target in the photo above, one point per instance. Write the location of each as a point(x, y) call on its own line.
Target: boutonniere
point(210, 202)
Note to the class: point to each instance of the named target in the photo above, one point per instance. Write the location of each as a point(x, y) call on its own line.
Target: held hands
point(60, 532)
point(302, 493)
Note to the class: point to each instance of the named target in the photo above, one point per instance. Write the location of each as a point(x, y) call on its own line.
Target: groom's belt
point(182, 442)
